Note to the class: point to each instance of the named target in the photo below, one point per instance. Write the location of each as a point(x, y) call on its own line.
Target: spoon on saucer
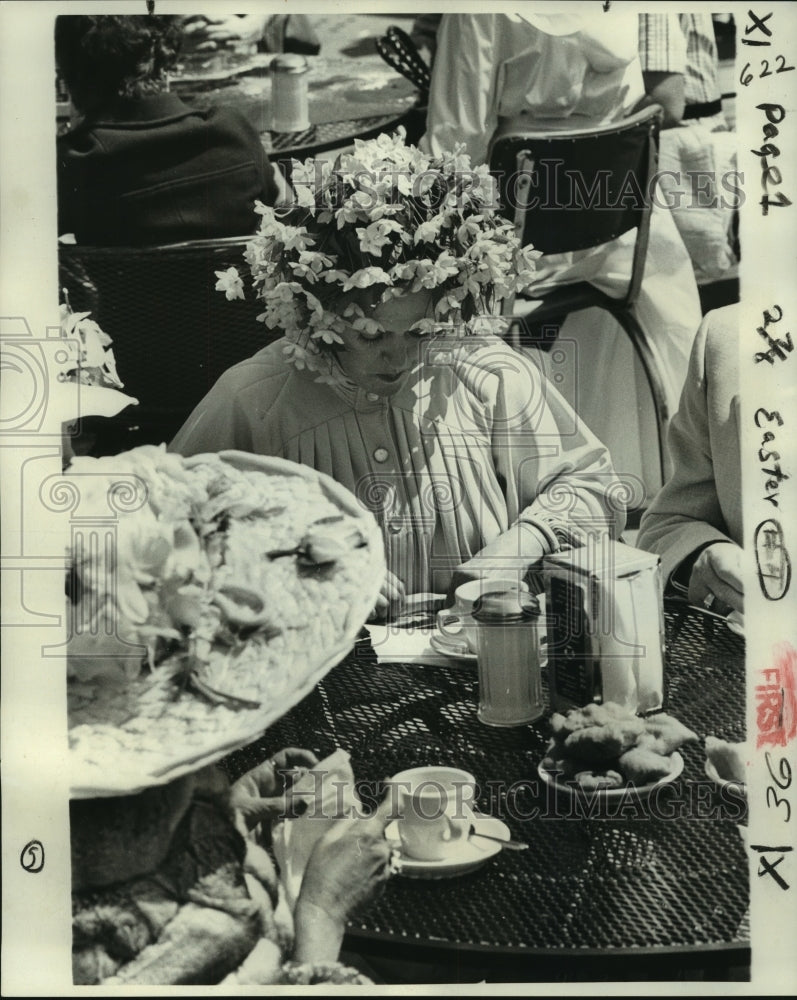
point(513, 845)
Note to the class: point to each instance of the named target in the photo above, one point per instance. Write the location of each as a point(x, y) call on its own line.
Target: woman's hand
point(206, 34)
point(391, 598)
point(515, 552)
point(718, 571)
point(347, 869)
point(261, 794)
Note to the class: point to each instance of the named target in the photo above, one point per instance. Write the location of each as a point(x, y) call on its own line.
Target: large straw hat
point(231, 584)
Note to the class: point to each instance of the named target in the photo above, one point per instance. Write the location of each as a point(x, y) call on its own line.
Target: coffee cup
point(432, 806)
point(456, 625)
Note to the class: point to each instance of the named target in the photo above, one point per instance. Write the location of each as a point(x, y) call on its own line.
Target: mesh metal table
point(627, 884)
point(328, 135)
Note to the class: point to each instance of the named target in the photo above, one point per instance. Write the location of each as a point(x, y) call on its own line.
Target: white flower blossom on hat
point(384, 220)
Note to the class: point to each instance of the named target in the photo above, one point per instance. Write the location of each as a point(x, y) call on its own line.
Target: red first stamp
point(776, 699)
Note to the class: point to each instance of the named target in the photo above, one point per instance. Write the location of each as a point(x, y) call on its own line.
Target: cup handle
point(458, 827)
point(451, 623)
point(445, 619)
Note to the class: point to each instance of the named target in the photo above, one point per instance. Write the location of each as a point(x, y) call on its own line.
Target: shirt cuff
point(559, 536)
point(680, 576)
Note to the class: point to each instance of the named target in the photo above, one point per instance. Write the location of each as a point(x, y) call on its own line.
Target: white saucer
point(641, 791)
point(465, 856)
point(453, 649)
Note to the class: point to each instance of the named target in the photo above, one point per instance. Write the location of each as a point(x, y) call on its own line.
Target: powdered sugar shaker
point(508, 637)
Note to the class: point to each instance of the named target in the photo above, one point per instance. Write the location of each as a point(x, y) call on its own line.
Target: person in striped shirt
point(680, 65)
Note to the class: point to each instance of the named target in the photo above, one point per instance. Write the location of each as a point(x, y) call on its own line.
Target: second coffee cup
point(456, 625)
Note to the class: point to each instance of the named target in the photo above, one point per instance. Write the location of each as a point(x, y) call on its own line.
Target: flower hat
point(384, 220)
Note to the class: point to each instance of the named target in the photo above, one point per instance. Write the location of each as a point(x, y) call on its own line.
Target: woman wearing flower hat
point(384, 278)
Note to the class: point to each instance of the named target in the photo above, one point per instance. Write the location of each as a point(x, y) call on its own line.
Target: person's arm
point(686, 516)
point(565, 481)
point(559, 479)
point(217, 424)
point(462, 95)
point(667, 90)
point(662, 55)
point(347, 868)
point(716, 573)
point(207, 34)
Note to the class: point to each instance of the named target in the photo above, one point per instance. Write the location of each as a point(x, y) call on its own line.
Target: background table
point(348, 98)
point(634, 896)
point(352, 92)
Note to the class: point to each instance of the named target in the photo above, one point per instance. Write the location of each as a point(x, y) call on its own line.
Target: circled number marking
point(32, 856)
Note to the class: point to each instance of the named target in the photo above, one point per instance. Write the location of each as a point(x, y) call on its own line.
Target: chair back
point(173, 333)
point(570, 188)
point(401, 53)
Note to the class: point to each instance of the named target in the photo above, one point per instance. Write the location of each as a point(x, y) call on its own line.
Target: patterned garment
point(212, 912)
point(682, 43)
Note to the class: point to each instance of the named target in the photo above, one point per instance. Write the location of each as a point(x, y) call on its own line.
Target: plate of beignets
point(605, 749)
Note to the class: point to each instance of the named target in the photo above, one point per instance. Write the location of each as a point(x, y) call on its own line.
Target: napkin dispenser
point(605, 619)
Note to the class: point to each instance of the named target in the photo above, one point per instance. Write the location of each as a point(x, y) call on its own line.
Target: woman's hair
point(102, 58)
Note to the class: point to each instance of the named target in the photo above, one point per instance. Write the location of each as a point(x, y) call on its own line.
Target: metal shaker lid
point(290, 62)
point(505, 606)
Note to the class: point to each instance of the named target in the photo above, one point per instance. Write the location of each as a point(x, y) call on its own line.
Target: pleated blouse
point(474, 441)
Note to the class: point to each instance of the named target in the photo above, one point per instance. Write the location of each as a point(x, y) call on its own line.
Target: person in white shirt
point(579, 68)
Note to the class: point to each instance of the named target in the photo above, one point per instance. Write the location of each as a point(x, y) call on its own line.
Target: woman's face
point(380, 362)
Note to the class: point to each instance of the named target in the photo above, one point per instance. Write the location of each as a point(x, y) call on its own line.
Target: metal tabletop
point(643, 877)
point(328, 135)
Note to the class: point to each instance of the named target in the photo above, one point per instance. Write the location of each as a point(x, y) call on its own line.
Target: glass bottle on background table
point(289, 98)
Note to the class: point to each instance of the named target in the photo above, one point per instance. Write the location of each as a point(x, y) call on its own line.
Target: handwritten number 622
point(746, 76)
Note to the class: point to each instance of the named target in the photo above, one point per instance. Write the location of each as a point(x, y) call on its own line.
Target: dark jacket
point(155, 171)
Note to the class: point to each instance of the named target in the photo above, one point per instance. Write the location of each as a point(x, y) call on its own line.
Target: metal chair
point(574, 188)
point(400, 52)
point(173, 333)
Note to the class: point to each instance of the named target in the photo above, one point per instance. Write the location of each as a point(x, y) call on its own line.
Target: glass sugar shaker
point(508, 639)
